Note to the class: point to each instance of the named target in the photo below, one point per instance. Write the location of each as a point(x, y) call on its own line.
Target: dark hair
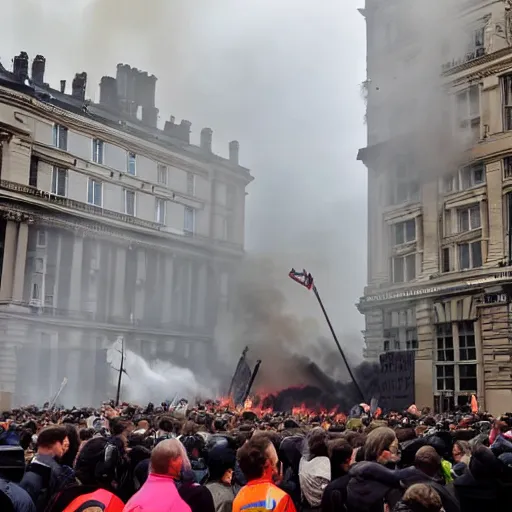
point(220, 460)
point(68, 459)
point(317, 443)
point(340, 453)
point(119, 425)
point(166, 424)
point(428, 460)
point(85, 434)
point(253, 456)
point(51, 435)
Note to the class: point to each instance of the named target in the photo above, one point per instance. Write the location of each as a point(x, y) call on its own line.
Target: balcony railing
point(470, 56)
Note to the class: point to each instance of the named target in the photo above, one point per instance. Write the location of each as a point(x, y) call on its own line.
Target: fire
point(248, 404)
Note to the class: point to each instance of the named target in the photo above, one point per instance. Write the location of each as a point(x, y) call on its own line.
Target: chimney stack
point(20, 67)
point(206, 139)
point(180, 131)
point(108, 92)
point(38, 69)
point(126, 78)
point(78, 86)
point(63, 86)
point(234, 150)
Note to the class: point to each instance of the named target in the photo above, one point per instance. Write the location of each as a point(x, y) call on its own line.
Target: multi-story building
point(109, 227)
point(439, 245)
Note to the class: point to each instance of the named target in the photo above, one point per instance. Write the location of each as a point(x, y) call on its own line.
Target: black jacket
point(335, 494)
point(371, 485)
point(481, 487)
point(416, 476)
point(196, 496)
point(20, 500)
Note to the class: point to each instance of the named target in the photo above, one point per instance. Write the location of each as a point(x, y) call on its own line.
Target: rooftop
point(127, 103)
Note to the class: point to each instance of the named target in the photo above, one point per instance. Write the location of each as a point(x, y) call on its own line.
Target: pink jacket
point(158, 494)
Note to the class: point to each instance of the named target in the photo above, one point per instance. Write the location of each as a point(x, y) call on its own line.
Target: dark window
point(467, 346)
point(445, 377)
point(32, 179)
point(60, 137)
point(411, 339)
point(507, 100)
point(386, 345)
point(467, 377)
point(446, 259)
point(444, 337)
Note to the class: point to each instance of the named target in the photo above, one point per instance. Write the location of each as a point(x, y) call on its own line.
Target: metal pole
point(118, 393)
point(251, 382)
point(317, 295)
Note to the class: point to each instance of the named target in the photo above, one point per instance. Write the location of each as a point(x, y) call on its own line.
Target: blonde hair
point(166, 451)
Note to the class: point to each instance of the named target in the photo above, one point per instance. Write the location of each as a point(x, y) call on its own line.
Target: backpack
point(86, 499)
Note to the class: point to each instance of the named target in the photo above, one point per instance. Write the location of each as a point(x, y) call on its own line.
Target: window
point(59, 181)
point(405, 232)
point(41, 238)
point(446, 260)
point(411, 341)
point(467, 377)
point(466, 177)
point(470, 255)
point(472, 176)
point(35, 292)
point(507, 167)
point(97, 151)
point(404, 268)
point(444, 337)
point(467, 347)
point(161, 171)
point(39, 265)
point(129, 202)
point(32, 178)
point(189, 220)
point(191, 184)
point(397, 344)
point(445, 377)
point(131, 163)
point(469, 218)
point(230, 196)
point(386, 345)
point(95, 192)
point(507, 101)
point(468, 112)
point(60, 137)
point(160, 210)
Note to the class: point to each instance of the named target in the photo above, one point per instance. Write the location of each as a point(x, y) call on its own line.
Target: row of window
point(95, 197)
point(60, 140)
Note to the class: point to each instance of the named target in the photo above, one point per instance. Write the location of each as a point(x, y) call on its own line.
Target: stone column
point(139, 284)
point(430, 230)
point(9, 259)
point(167, 291)
point(496, 248)
point(75, 289)
point(202, 295)
point(21, 259)
point(119, 276)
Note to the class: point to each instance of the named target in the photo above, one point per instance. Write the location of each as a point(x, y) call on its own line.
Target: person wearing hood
point(419, 498)
point(221, 465)
point(290, 456)
point(12, 466)
point(427, 470)
point(481, 487)
point(372, 485)
point(314, 469)
point(335, 494)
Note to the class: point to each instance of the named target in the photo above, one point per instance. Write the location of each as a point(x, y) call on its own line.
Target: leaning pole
point(306, 279)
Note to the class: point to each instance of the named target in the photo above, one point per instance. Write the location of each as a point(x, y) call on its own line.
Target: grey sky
point(281, 76)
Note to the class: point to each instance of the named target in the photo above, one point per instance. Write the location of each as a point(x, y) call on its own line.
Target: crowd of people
point(211, 458)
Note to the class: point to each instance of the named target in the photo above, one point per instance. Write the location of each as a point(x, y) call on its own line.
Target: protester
point(159, 492)
point(419, 498)
point(335, 494)
point(221, 465)
point(259, 463)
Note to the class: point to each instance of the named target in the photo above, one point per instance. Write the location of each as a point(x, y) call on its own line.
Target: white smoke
point(155, 382)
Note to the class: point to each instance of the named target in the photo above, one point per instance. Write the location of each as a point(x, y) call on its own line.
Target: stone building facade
point(439, 247)
point(109, 227)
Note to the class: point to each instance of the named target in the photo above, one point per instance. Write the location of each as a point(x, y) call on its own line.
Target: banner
point(396, 380)
point(240, 381)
